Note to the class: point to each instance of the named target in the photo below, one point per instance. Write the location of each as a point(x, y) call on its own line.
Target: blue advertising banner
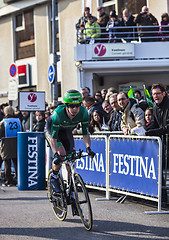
point(134, 165)
point(92, 171)
point(31, 161)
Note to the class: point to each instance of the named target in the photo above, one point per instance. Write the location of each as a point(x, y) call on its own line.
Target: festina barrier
point(31, 161)
point(129, 165)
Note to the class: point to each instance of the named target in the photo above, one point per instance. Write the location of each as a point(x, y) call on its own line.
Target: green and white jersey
point(60, 120)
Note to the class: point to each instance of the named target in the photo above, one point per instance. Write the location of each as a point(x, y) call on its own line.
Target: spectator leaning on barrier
point(148, 115)
point(96, 122)
point(164, 30)
point(92, 30)
point(114, 123)
point(160, 112)
point(112, 28)
point(102, 21)
point(127, 21)
point(90, 104)
point(132, 115)
point(107, 108)
point(83, 19)
point(161, 125)
point(145, 18)
point(9, 127)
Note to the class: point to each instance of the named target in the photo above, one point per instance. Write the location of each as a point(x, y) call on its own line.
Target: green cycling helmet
point(72, 97)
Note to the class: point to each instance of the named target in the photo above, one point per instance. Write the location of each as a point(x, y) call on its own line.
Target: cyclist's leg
point(56, 167)
point(66, 138)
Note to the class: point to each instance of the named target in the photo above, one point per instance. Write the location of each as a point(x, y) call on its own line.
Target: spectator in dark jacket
point(145, 18)
point(140, 100)
point(90, 104)
point(165, 26)
point(96, 122)
point(160, 112)
point(102, 21)
point(113, 27)
point(127, 21)
point(148, 115)
point(161, 125)
point(107, 108)
point(40, 122)
point(9, 127)
point(115, 117)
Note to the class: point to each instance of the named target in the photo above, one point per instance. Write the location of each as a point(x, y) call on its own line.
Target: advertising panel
point(31, 161)
point(92, 171)
point(113, 50)
point(32, 101)
point(134, 165)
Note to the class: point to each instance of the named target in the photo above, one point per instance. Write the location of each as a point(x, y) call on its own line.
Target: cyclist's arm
point(85, 126)
point(53, 144)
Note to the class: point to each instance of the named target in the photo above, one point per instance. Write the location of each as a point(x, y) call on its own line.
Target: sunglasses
point(74, 105)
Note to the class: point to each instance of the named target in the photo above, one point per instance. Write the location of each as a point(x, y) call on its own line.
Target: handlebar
point(74, 155)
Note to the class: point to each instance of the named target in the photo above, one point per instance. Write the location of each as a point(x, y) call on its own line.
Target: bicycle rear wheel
point(58, 202)
point(83, 202)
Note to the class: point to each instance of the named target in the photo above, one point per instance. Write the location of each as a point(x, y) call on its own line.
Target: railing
point(123, 34)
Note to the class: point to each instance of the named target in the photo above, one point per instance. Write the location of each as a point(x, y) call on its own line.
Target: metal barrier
point(124, 34)
point(128, 165)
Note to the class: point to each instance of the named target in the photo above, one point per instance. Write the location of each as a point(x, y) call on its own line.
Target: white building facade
point(26, 40)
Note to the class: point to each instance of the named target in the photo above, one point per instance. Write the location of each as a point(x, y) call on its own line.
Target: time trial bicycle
point(72, 186)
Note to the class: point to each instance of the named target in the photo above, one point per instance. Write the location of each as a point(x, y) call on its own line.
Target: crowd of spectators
point(108, 109)
point(110, 28)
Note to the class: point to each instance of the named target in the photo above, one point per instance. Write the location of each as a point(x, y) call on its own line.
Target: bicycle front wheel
point(83, 202)
point(58, 202)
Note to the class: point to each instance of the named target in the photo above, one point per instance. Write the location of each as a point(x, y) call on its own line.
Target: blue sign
point(92, 171)
point(134, 166)
point(31, 161)
point(51, 74)
point(12, 70)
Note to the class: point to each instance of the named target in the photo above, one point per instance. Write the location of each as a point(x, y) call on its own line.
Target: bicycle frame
point(80, 202)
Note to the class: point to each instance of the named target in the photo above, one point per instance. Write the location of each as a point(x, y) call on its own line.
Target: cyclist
point(59, 131)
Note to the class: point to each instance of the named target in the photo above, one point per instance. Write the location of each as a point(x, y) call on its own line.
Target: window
point(109, 5)
point(134, 6)
point(24, 35)
point(57, 28)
